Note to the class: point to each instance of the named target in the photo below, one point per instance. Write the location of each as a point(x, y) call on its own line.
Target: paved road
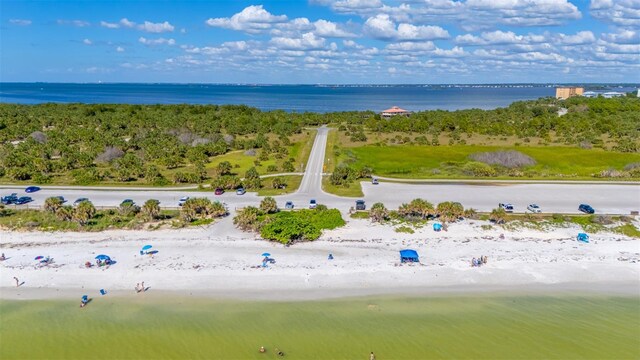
point(556, 198)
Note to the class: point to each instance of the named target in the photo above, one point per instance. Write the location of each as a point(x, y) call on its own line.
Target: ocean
point(290, 98)
point(456, 327)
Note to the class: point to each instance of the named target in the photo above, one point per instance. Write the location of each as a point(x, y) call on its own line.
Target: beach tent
point(582, 237)
point(103, 257)
point(437, 227)
point(409, 255)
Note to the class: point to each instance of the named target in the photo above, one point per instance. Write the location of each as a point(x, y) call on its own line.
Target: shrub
point(109, 154)
point(378, 212)
point(52, 204)
point(39, 137)
point(269, 205)
point(478, 169)
point(272, 168)
point(404, 229)
point(247, 218)
point(509, 159)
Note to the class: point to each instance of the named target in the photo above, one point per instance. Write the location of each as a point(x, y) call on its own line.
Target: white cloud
point(156, 27)
point(498, 37)
point(381, 27)
point(159, 41)
point(109, 25)
point(330, 29)
point(20, 22)
point(126, 23)
point(306, 42)
point(76, 23)
point(252, 19)
point(87, 42)
point(580, 38)
point(623, 37)
point(119, 49)
point(618, 12)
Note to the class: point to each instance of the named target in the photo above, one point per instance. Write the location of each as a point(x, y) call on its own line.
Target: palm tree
point(84, 212)
point(247, 218)
point(417, 208)
point(217, 209)
point(269, 205)
point(128, 209)
point(151, 209)
point(52, 204)
point(498, 215)
point(450, 211)
point(378, 212)
point(65, 213)
point(470, 213)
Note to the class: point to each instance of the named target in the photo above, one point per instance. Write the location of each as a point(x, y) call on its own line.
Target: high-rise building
point(567, 92)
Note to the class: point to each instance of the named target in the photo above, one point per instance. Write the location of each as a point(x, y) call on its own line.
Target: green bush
point(478, 169)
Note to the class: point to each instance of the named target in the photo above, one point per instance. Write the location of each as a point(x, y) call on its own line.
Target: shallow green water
point(481, 327)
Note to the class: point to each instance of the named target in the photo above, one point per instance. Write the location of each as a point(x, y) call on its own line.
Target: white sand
point(217, 261)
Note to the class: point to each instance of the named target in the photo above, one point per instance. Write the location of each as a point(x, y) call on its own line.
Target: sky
point(321, 41)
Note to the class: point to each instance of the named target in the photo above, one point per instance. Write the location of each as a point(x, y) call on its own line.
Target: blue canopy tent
point(409, 255)
point(437, 227)
point(103, 257)
point(582, 237)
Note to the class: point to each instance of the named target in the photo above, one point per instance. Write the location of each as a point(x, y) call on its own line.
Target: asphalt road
point(552, 198)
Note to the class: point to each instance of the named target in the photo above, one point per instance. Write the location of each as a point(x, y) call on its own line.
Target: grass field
point(460, 327)
point(354, 189)
point(292, 181)
point(442, 161)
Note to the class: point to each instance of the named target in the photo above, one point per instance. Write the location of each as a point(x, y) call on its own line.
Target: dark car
point(360, 205)
point(23, 200)
point(79, 200)
point(9, 199)
point(31, 189)
point(585, 208)
point(219, 191)
point(127, 201)
point(288, 205)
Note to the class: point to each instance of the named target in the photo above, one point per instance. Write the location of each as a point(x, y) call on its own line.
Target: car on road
point(534, 208)
point(586, 208)
point(241, 191)
point(23, 200)
point(360, 205)
point(312, 204)
point(79, 200)
point(127, 201)
point(182, 200)
point(9, 199)
point(374, 181)
point(288, 205)
point(219, 191)
point(31, 189)
point(506, 207)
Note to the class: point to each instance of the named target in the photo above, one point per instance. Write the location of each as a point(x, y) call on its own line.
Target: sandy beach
point(221, 261)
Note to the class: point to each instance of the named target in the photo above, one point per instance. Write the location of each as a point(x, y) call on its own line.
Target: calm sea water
point(298, 98)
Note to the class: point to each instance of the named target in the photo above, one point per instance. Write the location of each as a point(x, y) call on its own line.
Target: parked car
point(360, 205)
point(79, 200)
point(182, 200)
point(288, 205)
point(219, 191)
point(127, 201)
point(31, 189)
point(534, 208)
point(9, 199)
point(312, 204)
point(241, 191)
point(374, 181)
point(507, 207)
point(586, 208)
point(23, 200)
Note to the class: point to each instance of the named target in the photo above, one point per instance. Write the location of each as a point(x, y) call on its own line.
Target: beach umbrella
point(39, 258)
point(266, 254)
point(102, 257)
point(147, 247)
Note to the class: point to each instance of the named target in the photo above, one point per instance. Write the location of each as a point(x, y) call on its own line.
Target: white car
point(534, 208)
point(507, 207)
point(312, 204)
point(183, 200)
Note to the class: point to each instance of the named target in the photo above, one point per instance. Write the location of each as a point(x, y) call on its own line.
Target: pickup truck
point(506, 207)
point(9, 199)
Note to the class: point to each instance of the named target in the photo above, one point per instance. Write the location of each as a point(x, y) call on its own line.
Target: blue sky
point(321, 41)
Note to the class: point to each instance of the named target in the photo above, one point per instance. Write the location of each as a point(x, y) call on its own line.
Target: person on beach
point(2, 257)
point(17, 281)
point(372, 356)
point(138, 288)
point(142, 288)
point(262, 349)
point(474, 262)
point(484, 259)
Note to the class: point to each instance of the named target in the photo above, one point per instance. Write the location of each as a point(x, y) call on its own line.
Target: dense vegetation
point(163, 144)
point(287, 227)
point(55, 216)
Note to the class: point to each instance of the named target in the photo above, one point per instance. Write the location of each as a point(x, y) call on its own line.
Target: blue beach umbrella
point(266, 254)
point(39, 257)
point(147, 247)
point(102, 257)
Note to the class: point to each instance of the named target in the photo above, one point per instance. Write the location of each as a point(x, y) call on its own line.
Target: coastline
point(202, 264)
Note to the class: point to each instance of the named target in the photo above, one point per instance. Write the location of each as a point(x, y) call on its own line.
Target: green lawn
point(293, 183)
point(444, 161)
point(354, 189)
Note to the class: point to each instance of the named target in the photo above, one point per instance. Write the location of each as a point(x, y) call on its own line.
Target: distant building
point(590, 94)
point(394, 111)
point(567, 92)
point(612, 94)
